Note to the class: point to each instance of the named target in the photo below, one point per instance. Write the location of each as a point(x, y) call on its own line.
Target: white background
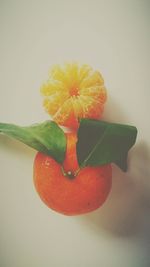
point(113, 37)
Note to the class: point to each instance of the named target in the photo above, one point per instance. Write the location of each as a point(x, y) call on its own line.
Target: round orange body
point(67, 193)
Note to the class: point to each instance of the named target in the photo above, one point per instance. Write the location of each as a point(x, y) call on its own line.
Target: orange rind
point(68, 190)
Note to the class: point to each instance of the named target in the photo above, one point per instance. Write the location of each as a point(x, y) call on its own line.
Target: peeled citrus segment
point(99, 93)
point(66, 113)
point(92, 107)
point(54, 102)
point(92, 80)
point(73, 92)
point(84, 72)
point(50, 88)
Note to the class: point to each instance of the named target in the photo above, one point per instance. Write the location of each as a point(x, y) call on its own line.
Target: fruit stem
point(68, 174)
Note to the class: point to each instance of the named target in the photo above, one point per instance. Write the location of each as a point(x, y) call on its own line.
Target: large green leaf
point(46, 137)
point(100, 143)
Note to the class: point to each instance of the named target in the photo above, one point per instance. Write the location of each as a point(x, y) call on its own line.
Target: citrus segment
point(73, 92)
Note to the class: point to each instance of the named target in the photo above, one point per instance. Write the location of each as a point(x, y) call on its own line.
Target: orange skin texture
point(83, 193)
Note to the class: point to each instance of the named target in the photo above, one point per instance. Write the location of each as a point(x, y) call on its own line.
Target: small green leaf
point(46, 137)
point(100, 143)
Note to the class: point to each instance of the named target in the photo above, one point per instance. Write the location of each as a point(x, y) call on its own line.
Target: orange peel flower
point(72, 92)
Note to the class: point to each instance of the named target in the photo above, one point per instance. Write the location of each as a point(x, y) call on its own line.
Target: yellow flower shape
point(73, 92)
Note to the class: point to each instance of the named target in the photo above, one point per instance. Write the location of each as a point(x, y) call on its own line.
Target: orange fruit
point(73, 92)
point(65, 192)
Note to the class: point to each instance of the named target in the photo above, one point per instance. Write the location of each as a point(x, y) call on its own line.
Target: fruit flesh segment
point(74, 92)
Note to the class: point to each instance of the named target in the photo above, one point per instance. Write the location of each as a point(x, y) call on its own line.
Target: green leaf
point(100, 143)
point(46, 137)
